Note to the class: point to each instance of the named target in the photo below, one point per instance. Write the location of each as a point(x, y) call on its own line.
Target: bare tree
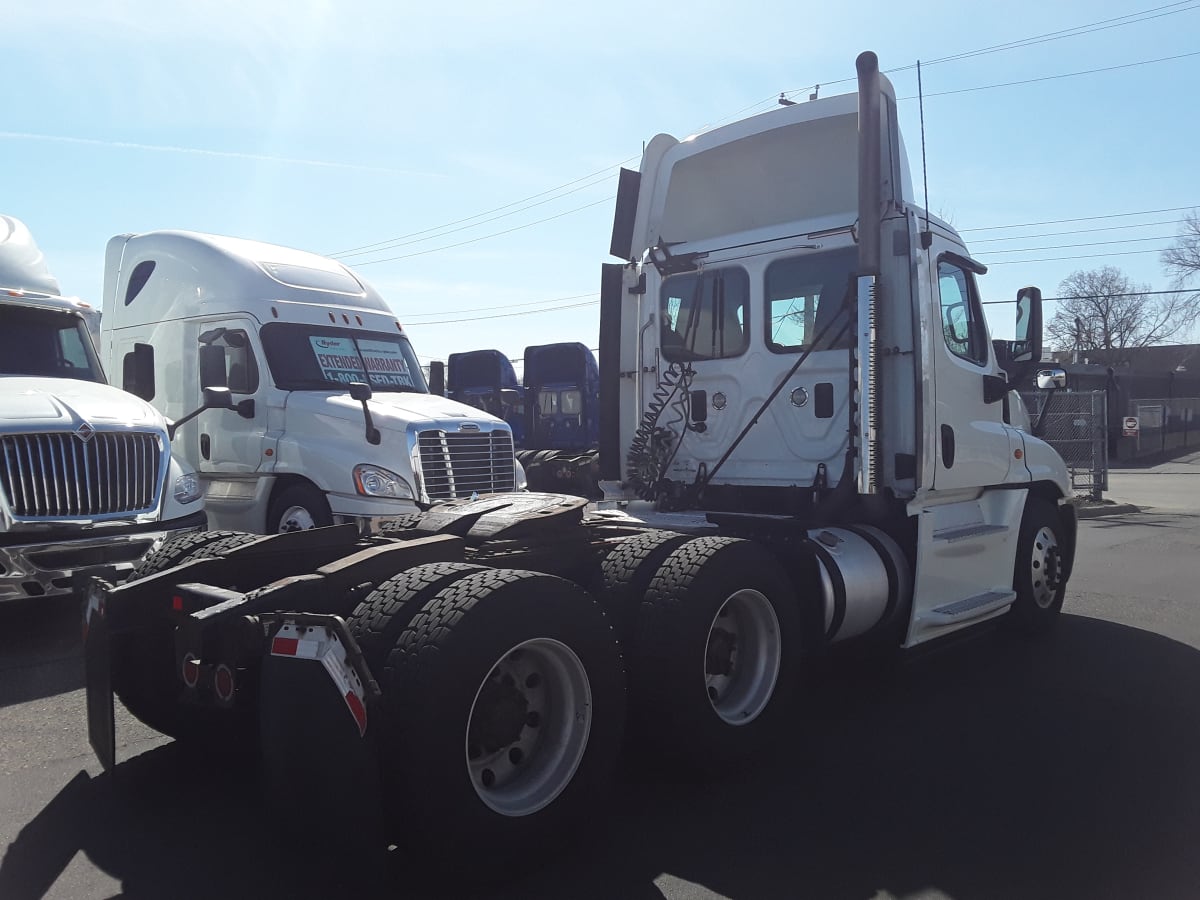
point(1182, 261)
point(1104, 315)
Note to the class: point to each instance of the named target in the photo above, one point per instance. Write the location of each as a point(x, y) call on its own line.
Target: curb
point(1113, 509)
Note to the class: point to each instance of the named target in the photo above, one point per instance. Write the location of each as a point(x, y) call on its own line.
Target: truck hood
point(391, 410)
point(48, 403)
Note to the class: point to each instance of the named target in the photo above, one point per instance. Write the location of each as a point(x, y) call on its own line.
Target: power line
point(988, 87)
point(398, 242)
point(486, 212)
point(371, 262)
point(448, 228)
point(1075, 31)
point(1023, 237)
point(1130, 294)
point(505, 315)
point(1070, 246)
point(455, 312)
point(1025, 262)
point(1144, 212)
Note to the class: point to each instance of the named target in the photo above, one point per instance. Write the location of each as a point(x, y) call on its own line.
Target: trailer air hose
point(651, 450)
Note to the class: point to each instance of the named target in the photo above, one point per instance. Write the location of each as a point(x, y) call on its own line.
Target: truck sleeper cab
point(289, 333)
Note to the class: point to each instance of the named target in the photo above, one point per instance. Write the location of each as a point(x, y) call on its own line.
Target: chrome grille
point(457, 464)
point(55, 474)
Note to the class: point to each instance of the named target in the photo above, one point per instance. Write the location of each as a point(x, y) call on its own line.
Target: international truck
point(332, 422)
point(87, 480)
point(554, 410)
point(807, 448)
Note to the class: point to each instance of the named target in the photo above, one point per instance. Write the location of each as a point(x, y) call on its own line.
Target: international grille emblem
point(85, 432)
point(468, 426)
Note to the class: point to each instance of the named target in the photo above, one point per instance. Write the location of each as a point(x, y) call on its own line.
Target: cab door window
point(240, 365)
point(703, 315)
point(962, 316)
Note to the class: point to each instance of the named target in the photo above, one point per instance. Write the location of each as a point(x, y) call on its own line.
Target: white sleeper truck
point(806, 429)
point(87, 480)
point(332, 421)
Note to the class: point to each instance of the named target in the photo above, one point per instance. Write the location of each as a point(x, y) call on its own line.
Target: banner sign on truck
point(342, 359)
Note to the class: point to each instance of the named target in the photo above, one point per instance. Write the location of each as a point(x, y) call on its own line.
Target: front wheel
point(298, 508)
point(503, 711)
point(1039, 577)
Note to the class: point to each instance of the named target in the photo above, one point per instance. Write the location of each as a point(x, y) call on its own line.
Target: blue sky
point(332, 126)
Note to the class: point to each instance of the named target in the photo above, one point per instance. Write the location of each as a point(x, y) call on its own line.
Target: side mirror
point(360, 391)
point(1051, 379)
point(437, 378)
point(214, 398)
point(1027, 346)
point(1022, 354)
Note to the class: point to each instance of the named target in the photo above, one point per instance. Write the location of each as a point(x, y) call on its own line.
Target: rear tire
point(626, 574)
point(503, 709)
point(716, 653)
point(143, 662)
point(378, 621)
point(1038, 576)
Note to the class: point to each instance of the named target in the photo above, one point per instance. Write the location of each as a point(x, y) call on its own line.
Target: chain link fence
point(1164, 425)
point(1076, 425)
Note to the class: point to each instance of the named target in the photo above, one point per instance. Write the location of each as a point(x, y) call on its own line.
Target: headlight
point(520, 480)
point(374, 481)
point(187, 488)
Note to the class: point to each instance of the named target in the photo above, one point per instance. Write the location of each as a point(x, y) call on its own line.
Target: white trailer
point(805, 426)
point(290, 333)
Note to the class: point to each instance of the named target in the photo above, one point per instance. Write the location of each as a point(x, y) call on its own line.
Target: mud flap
point(101, 719)
point(320, 773)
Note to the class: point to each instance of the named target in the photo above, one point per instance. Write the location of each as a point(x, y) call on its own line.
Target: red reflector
point(191, 671)
point(223, 682)
point(177, 603)
point(284, 646)
point(358, 711)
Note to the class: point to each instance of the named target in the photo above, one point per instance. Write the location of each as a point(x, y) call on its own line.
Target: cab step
point(969, 608)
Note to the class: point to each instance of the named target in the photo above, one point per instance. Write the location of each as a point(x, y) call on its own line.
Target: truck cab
point(792, 335)
point(332, 420)
point(88, 482)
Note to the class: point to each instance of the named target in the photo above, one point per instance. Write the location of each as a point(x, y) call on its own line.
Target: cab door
point(231, 441)
point(971, 439)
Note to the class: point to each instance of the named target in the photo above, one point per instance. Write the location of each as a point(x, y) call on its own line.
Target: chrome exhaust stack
point(870, 204)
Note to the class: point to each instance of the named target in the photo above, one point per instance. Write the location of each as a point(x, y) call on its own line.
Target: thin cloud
point(200, 151)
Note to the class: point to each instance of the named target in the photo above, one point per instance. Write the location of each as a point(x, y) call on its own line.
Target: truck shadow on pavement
point(41, 648)
point(1060, 767)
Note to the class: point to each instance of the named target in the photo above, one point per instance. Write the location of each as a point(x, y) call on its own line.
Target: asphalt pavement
point(994, 767)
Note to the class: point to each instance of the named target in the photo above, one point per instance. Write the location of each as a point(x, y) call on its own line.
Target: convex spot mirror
point(1051, 379)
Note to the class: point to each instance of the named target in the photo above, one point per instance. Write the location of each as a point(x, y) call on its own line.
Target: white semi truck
point(87, 480)
point(806, 433)
point(332, 419)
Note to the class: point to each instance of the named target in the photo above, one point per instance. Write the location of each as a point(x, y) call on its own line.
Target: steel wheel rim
point(517, 771)
point(742, 657)
point(1045, 569)
point(296, 518)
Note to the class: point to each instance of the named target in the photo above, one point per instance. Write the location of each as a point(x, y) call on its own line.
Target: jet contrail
point(197, 151)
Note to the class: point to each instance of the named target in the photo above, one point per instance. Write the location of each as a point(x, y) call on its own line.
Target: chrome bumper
point(46, 568)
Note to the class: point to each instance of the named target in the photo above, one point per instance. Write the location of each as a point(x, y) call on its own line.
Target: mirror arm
point(1041, 421)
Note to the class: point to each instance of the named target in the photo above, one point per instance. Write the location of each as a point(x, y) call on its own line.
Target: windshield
point(316, 357)
point(47, 343)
